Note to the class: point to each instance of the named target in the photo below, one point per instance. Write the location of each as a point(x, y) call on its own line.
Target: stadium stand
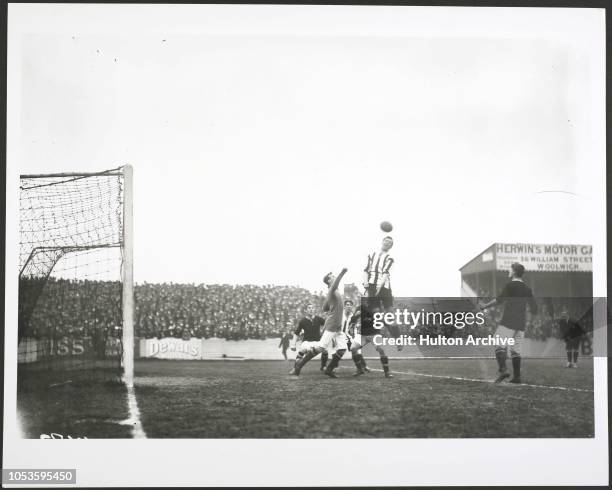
point(82, 308)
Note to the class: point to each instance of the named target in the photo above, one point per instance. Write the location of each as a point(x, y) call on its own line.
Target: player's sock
point(385, 363)
point(358, 360)
point(569, 356)
point(333, 364)
point(516, 367)
point(500, 356)
point(307, 357)
point(394, 331)
point(363, 363)
point(575, 357)
point(324, 357)
point(298, 358)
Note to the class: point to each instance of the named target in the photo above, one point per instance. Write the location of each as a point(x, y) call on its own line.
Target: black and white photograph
point(305, 245)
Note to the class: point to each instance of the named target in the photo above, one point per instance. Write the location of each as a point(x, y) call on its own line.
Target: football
point(386, 226)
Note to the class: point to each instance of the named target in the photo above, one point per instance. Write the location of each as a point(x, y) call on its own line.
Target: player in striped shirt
point(350, 326)
point(376, 276)
point(377, 283)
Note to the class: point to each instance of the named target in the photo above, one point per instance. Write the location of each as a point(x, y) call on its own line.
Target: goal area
point(75, 314)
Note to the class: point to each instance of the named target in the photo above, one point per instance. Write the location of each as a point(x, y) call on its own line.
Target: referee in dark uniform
point(515, 297)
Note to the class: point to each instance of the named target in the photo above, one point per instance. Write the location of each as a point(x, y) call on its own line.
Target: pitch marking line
point(476, 380)
point(134, 418)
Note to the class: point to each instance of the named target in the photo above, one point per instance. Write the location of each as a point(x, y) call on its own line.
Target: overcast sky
point(268, 157)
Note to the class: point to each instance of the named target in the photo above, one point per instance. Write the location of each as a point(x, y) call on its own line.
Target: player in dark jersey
point(515, 297)
point(309, 329)
point(332, 333)
point(571, 333)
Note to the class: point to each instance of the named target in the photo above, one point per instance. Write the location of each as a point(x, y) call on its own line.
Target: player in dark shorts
point(377, 283)
point(350, 327)
point(309, 328)
point(572, 334)
point(366, 335)
point(515, 297)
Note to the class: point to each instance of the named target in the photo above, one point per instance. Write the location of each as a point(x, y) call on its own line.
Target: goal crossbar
point(114, 171)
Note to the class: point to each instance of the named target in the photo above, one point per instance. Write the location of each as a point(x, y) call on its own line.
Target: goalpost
point(76, 295)
point(127, 274)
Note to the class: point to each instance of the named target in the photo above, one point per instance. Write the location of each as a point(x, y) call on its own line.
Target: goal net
point(75, 278)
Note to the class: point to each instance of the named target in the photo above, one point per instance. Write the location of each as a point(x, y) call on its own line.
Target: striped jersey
point(346, 322)
point(377, 269)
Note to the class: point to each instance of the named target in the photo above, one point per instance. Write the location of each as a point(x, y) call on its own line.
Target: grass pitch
point(442, 398)
point(445, 398)
point(73, 410)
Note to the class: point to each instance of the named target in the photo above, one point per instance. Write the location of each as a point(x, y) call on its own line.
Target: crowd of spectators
point(234, 312)
point(85, 308)
point(220, 310)
point(62, 308)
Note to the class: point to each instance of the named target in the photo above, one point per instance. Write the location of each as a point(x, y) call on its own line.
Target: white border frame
point(330, 462)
